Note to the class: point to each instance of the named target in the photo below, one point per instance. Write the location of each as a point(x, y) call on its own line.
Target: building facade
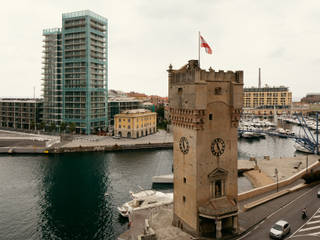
point(267, 97)
point(205, 108)
point(117, 105)
point(75, 72)
point(52, 76)
point(20, 113)
point(311, 98)
point(135, 123)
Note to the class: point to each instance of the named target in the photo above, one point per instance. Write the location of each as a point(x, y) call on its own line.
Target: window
point(129, 120)
point(218, 188)
point(184, 199)
point(184, 180)
point(180, 91)
point(129, 127)
point(218, 91)
point(210, 116)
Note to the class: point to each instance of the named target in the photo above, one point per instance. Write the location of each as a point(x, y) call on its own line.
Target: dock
point(163, 179)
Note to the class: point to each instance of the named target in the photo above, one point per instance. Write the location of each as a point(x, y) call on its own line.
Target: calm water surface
point(63, 196)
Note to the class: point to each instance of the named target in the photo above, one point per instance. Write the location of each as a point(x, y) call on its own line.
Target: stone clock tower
point(205, 109)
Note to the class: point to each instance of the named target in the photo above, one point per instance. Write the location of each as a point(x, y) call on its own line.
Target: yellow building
point(135, 123)
point(267, 97)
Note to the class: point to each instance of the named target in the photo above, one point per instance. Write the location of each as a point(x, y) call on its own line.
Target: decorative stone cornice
point(185, 118)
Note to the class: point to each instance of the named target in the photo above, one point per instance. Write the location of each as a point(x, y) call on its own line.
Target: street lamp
point(276, 172)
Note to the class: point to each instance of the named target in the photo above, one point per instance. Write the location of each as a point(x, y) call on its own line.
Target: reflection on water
point(74, 204)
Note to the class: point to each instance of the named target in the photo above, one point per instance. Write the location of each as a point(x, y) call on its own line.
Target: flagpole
point(199, 49)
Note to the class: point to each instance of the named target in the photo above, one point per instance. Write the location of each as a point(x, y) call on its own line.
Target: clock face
point(217, 147)
point(184, 145)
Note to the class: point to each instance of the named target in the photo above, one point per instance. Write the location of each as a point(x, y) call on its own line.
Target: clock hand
point(218, 147)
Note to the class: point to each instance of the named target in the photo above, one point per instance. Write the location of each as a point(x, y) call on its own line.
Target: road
point(307, 229)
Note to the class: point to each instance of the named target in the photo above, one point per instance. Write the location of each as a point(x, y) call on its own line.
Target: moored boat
point(145, 202)
point(301, 148)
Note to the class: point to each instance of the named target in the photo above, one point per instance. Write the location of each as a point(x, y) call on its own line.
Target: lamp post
point(276, 172)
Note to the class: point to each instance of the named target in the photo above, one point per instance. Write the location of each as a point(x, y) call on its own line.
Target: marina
point(66, 183)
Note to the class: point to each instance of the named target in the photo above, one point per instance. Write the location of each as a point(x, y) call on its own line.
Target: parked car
point(116, 137)
point(280, 229)
point(318, 193)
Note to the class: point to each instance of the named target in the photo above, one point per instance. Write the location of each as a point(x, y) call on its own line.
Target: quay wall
point(257, 191)
point(106, 148)
point(23, 150)
point(114, 147)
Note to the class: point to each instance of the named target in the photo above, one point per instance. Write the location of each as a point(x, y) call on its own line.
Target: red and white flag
point(204, 44)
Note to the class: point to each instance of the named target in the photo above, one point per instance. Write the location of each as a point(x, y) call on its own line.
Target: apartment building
point(267, 97)
point(75, 72)
point(20, 113)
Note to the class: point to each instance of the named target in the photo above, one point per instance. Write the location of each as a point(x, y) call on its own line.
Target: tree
point(161, 121)
point(42, 125)
point(52, 127)
point(160, 111)
point(32, 125)
point(63, 127)
point(72, 127)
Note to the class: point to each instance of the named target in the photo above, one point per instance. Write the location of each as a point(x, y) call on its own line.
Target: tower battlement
point(193, 88)
point(192, 73)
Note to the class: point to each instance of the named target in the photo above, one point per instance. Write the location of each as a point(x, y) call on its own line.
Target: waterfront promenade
point(18, 142)
point(264, 173)
point(160, 139)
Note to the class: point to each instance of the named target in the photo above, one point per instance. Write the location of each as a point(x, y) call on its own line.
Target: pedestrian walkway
point(310, 228)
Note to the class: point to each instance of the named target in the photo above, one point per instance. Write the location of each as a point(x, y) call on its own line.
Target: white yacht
point(145, 201)
point(142, 194)
point(301, 148)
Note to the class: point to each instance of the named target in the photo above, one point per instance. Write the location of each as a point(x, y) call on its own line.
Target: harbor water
point(74, 196)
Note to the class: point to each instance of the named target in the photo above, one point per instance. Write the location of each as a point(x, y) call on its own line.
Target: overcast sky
point(145, 36)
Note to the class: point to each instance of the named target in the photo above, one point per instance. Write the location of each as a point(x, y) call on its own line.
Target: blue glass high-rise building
point(84, 71)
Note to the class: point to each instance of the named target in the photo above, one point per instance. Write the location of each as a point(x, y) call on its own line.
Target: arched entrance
point(129, 135)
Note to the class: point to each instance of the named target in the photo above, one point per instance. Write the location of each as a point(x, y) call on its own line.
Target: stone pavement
point(286, 166)
point(258, 178)
point(92, 140)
